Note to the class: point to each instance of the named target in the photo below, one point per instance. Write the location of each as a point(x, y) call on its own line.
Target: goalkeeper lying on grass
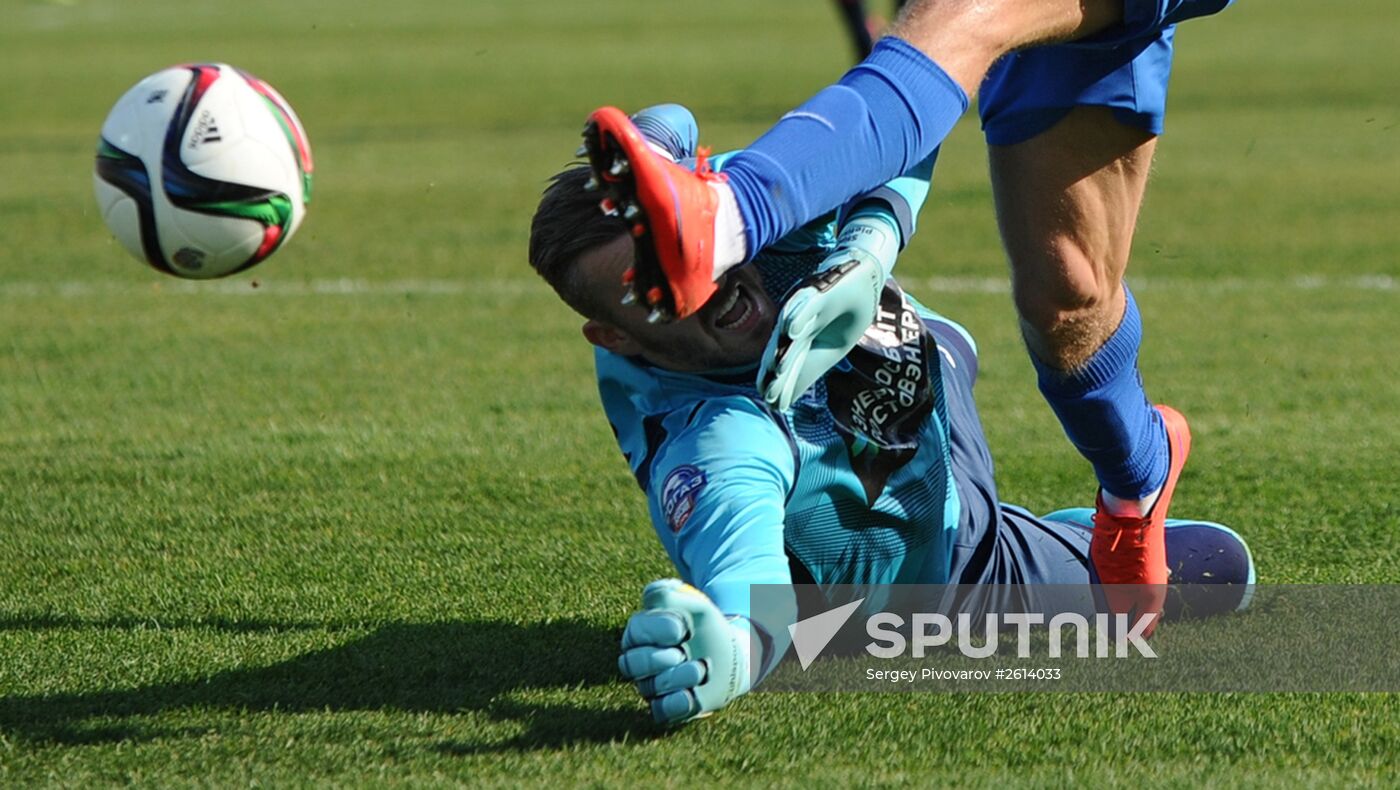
point(829, 438)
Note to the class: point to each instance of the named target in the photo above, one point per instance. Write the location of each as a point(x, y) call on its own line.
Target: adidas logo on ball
point(205, 131)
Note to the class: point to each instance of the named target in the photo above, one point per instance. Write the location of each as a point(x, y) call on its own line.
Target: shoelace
point(702, 165)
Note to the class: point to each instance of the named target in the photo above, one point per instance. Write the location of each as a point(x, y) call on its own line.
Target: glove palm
point(824, 318)
point(820, 324)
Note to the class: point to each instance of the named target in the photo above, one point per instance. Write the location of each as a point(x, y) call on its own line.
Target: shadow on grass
point(415, 668)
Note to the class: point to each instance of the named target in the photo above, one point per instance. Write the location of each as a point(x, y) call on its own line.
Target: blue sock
point(1106, 414)
point(884, 116)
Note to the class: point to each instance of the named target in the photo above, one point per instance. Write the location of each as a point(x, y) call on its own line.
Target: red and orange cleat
point(671, 210)
point(1129, 553)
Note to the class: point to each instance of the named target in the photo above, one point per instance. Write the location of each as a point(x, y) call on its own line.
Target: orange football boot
point(671, 210)
point(1129, 553)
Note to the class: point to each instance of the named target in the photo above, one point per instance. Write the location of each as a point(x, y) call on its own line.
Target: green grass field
point(355, 516)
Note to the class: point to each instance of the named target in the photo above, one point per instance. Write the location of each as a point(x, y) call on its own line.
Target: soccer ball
point(202, 170)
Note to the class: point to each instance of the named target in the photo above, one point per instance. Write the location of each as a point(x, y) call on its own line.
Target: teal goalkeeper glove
point(671, 128)
point(826, 315)
point(683, 654)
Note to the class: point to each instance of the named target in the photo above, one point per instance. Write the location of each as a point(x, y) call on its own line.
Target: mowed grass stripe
point(497, 287)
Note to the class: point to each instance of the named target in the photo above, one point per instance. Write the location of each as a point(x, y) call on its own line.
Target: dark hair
point(567, 224)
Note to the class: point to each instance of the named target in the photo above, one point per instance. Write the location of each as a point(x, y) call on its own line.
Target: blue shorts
point(1125, 68)
point(996, 543)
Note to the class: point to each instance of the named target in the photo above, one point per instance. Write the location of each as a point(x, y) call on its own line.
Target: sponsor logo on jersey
point(678, 495)
point(880, 398)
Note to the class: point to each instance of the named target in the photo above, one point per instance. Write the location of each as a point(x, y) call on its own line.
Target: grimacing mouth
point(733, 307)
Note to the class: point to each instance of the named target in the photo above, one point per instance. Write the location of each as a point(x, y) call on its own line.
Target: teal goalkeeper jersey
point(852, 485)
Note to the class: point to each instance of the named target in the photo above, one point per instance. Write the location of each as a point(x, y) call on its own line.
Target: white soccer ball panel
point(216, 126)
point(138, 121)
point(202, 246)
point(121, 215)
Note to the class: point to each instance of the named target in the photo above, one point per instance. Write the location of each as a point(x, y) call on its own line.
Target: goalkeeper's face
point(729, 331)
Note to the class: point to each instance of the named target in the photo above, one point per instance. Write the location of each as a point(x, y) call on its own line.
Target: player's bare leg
point(966, 37)
point(1067, 204)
